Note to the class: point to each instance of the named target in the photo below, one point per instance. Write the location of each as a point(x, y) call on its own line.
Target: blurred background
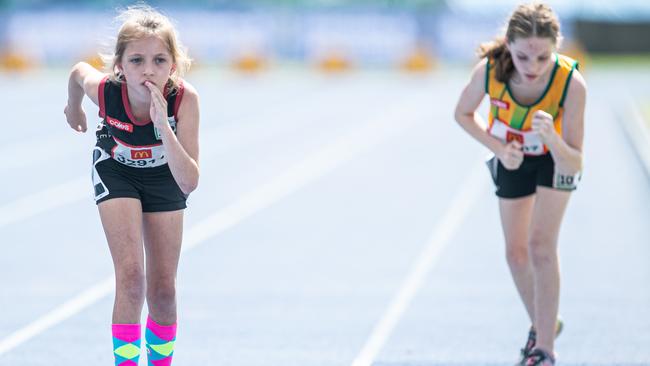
point(250, 35)
point(332, 173)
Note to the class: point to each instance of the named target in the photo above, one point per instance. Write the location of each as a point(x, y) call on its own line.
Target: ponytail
point(528, 20)
point(498, 52)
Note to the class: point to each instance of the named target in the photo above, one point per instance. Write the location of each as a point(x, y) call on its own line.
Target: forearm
point(475, 127)
point(567, 158)
point(183, 167)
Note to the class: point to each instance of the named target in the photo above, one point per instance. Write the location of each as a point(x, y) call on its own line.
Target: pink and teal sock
point(126, 344)
point(160, 343)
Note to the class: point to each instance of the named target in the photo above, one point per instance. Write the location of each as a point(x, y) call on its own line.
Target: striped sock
point(126, 344)
point(160, 343)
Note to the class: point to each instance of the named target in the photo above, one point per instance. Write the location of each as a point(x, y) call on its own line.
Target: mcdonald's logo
point(511, 136)
point(141, 154)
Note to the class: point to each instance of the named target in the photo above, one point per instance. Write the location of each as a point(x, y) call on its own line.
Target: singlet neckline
point(548, 86)
point(127, 105)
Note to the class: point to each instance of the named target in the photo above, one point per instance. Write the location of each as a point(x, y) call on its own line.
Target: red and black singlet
point(129, 141)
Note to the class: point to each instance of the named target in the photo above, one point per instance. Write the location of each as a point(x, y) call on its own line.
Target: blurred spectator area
point(614, 37)
point(360, 32)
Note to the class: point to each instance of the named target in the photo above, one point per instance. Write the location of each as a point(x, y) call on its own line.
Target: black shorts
point(154, 187)
point(534, 171)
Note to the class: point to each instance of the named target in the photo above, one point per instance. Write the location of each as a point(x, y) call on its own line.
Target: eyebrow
point(141, 55)
point(520, 53)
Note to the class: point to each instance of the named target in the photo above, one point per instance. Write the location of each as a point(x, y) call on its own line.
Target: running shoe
point(539, 357)
point(532, 338)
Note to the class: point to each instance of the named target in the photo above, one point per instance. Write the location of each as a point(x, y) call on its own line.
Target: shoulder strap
point(567, 65)
point(487, 76)
point(174, 100)
point(101, 97)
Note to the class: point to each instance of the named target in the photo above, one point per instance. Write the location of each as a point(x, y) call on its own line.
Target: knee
point(162, 292)
point(517, 256)
point(542, 251)
point(131, 282)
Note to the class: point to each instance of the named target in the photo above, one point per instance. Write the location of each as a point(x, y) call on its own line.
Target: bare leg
point(163, 232)
point(515, 219)
point(547, 217)
point(122, 222)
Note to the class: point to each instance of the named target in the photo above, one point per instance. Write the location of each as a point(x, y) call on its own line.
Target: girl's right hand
point(511, 155)
point(76, 117)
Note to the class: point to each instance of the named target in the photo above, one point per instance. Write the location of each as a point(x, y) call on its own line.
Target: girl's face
point(532, 57)
point(146, 59)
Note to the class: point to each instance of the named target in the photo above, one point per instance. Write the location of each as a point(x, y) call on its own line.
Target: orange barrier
point(15, 61)
point(420, 60)
point(95, 61)
point(249, 63)
point(334, 62)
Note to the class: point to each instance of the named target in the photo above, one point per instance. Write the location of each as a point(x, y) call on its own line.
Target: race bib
point(530, 140)
point(139, 156)
point(566, 182)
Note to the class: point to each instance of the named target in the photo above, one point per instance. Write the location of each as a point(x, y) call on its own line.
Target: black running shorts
point(154, 187)
point(534, 171)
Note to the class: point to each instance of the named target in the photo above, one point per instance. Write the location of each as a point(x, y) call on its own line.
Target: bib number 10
point(566, 181)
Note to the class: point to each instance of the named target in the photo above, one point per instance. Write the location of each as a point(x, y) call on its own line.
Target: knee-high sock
point(160, 343)
point(126, 344)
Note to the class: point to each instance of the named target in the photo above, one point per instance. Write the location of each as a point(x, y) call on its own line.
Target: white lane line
point(638, 131)
point(54, 317)
point(45, 200)
point(312, 167)
point(79, 188)
point(28, 152)
point(459, 207)
point(62, 143)
point(307, 170)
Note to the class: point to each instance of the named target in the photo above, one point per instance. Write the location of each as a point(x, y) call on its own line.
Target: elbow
point(570, 164)
point(579, 161)
point(81, 65)
point(575, 157)
point(460, 117)
point(76, 69)
point(189, 186)
point(188, 180)
point(76, 72)
point(457, 117)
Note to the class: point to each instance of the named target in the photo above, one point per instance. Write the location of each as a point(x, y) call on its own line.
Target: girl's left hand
point(543, 124)
point(158, 109)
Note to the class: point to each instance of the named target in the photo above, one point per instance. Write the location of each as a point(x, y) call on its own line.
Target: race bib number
point(530, 140)
point(565, 181)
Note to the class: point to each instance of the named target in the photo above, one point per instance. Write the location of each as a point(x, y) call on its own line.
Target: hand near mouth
point(158, 108)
